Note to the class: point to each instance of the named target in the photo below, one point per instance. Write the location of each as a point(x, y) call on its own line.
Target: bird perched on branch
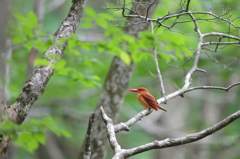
point(146, 99)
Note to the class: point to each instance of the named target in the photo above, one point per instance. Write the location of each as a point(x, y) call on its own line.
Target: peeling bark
point(115, 86)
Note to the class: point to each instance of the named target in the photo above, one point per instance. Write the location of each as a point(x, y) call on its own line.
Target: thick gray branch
point(110, 131)
point(34, 87)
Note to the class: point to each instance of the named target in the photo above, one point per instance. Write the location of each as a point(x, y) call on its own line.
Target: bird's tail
point(159, 107)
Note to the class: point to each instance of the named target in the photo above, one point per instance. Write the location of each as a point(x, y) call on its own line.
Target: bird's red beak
point(133, 90)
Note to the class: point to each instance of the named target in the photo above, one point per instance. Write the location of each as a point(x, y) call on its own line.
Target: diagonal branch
point(34, 87)
point(124, 153)
point(125, 126)
point(183, 140)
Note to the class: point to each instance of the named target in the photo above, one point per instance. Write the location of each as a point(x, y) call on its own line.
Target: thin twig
point(213, 87)
point(187, 6)
point(194, 68)
point(162, 90)
point(149, 8)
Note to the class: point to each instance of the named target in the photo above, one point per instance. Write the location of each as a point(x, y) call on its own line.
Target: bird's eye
point(140, 89)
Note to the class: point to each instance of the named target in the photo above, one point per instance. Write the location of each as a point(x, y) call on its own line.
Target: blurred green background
point(72, 93)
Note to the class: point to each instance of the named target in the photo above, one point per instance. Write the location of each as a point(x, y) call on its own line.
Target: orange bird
point(146, 99)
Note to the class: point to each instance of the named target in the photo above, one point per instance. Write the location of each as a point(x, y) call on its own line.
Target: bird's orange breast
point(142, 101)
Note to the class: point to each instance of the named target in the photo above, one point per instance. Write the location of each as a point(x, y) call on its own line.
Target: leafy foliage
point(29, 135)
point(85, 64)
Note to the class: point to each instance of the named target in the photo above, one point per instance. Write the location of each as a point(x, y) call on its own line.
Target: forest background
point(73, 91)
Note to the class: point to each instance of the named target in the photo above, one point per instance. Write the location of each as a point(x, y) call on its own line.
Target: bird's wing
point(150, 100)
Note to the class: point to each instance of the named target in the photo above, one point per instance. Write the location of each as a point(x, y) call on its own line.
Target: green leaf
point(21, 18)
point(187, 51)
point(27, 141)
point(28, 45)
point(32, 144)
point(90, 12)
point(179, 54)
point(166, 57)
point(40, 137)
point(77, 76)
point(86, 45)
point(41, 62)
point(63, 72)
point(66, 133)
point(52, 56)
point(60, 64)
point(102, 23)
point(7, 127)
point(125, 57)
point(86, 25)
point(142, 55)
point(32, 18)
point(106, 16)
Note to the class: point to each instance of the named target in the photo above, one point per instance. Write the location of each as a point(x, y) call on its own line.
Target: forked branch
point(124, 153)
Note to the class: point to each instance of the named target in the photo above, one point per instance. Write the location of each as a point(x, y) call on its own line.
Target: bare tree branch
point(194, 68)
point(125, 126)
point(34, 87)
point(213, 87)
point(188, 4)
point(202, 41)
point(221, 35)
point(182, 140)
point(110, 131)
point(220, 43)
point(124, 153)
point(155, 1)
point(162, 90)
point(87, 152)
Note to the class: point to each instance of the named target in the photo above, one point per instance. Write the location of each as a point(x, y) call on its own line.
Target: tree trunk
point(115, 86)
point(4, 13)
point(34, 87)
